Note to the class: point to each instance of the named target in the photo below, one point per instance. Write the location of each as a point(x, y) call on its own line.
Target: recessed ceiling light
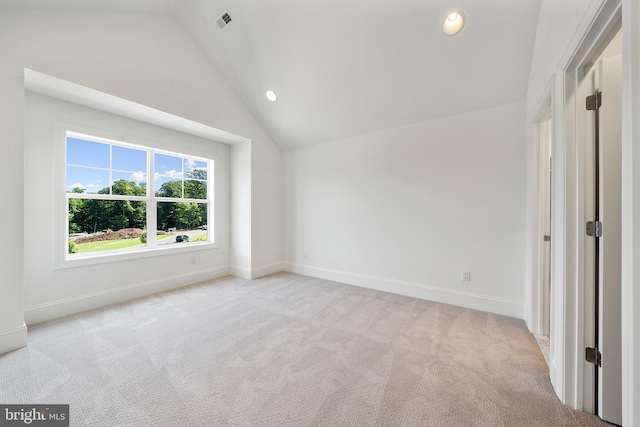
point(271, 96)
point(453, 23)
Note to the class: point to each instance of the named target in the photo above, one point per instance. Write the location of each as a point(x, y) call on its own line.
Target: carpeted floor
point(286, 350)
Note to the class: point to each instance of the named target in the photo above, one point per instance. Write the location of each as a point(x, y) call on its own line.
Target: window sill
point(122, 256)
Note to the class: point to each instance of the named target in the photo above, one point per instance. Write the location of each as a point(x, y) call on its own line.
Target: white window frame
point(66, 260)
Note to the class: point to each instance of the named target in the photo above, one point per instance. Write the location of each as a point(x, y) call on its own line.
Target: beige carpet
point(286, 350)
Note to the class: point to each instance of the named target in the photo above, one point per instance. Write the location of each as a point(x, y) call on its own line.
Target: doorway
point(543, 136)
point(572, 276)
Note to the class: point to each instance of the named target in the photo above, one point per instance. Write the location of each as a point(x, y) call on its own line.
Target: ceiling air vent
point(224, 20)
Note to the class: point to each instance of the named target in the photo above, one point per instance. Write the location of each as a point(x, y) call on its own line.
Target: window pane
point(87, 180)
point(123, 184)
point(100, 225)
point(97, 168)
point(168, 166)
point(179, 219)
point(129, 159)
point(139, 178)
point(196, 169)
point(87, 153)
point(195, 189)
point(168, 187)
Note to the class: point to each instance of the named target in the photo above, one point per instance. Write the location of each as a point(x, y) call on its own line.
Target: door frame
point(568, 211)
point(630, 309)
point(535, 306)
point(586, 135)
point(579, 332)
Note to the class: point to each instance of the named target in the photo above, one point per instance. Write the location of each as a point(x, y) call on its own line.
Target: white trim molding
point(474, 301)
point(265, 270)
point(255, 273)
point(630, 212)
point(52, 310)
point(13, 339)
point(241, 272)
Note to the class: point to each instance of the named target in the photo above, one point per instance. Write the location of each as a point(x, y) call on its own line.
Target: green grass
point(200, 238)
point(110, 245)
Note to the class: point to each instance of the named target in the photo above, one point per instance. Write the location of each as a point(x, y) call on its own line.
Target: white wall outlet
point(305, 255)
point(193, 260)
point(466, 276)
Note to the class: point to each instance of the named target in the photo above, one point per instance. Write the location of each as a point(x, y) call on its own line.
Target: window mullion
point(96, 196)
point(111, 169)
point(152, 210)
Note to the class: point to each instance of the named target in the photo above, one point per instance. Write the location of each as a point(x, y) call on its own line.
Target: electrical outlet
point(466, 276)
point(193, 260)
point(305, 255)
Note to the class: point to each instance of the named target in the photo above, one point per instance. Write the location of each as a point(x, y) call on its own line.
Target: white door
point(610, 177)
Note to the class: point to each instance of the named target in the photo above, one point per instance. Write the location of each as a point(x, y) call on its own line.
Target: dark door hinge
point(593, 355)
point(594, 102)
point(594, 228)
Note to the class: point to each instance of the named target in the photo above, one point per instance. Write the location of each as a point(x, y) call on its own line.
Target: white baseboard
point(254, 273)
point(495, 305)
point(52, 310)
point(13, 339)
point(242, 272)
point(266, 270)
point(528, 320)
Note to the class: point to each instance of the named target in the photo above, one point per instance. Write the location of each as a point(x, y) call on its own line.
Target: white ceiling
point(116, 5)
point(348, 67)
point(344, 68)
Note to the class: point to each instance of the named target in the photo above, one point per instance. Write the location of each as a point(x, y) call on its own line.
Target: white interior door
point(610, 344)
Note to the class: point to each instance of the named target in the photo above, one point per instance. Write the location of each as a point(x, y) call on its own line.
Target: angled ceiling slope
point(342, 69)
point(114, 5)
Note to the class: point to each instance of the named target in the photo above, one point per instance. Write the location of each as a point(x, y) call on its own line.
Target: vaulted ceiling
point(348, 67)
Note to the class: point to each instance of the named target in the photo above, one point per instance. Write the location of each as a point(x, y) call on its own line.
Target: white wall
point(266, 204)
point(13, 334)
point(407, 209)
point(241, 210)
point(51, 292)
point(145, 58)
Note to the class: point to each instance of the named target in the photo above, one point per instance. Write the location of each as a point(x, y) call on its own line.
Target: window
point(126, 198)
